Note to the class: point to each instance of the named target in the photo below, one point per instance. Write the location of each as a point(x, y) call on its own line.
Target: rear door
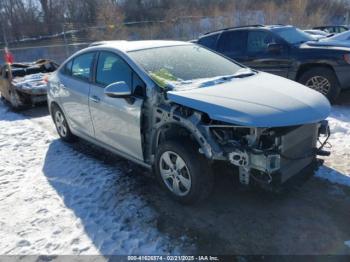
point(117, 121)
point(233, 44)
point(260, 57)
point(75, 83)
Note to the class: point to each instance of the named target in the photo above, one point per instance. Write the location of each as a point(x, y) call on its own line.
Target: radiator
point(296, 144)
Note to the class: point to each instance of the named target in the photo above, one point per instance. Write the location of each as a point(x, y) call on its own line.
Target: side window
point(208, 41)
point(111, 68)
point(258, 42)
point(81, 66)
point(233, 42)
point(342, 29)
point(67, 69)
point(332, 30)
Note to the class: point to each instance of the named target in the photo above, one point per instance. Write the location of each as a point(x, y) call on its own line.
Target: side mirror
point(275, 48)
point(118, 90)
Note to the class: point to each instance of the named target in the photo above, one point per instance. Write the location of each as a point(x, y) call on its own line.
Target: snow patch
point(56, 200)
point(337, 166)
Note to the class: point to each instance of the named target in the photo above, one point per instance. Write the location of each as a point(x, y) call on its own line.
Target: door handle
point(95, 99)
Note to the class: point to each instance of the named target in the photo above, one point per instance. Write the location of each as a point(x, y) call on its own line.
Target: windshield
point(183, 63)
point(293, 35)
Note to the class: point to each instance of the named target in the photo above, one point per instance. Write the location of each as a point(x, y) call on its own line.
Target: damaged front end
point(272, 156)
point(268, 157)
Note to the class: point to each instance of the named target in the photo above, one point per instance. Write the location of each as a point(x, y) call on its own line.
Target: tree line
point(30, 18)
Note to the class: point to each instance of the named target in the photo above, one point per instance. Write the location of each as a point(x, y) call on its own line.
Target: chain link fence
point(75, 37)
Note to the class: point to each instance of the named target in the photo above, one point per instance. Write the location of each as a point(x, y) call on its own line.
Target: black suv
point(285, 51)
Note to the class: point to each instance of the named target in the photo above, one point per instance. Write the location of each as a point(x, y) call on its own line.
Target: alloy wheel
point(60, 124)
point(175, 173)
point(320, 84)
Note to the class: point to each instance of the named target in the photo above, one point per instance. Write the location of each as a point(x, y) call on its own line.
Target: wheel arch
point(169, 131)
point(53, 104)
point(306, 67)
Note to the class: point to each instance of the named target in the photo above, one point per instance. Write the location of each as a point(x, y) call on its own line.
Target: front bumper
point(295, 152)
point(279, 184)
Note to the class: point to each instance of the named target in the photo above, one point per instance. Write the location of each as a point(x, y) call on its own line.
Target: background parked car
point(317, 34)
point(285, 51)
point(342, 39)
point(333, 29)
point(24, 84)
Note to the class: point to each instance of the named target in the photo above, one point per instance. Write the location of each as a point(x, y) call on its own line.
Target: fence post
point(65, 40)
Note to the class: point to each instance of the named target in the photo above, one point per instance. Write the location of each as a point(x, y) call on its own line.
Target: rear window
point(209, 41)
point(82, 64)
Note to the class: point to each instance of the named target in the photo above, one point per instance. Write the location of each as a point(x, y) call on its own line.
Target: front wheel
point(183, 172)
point(322, 80)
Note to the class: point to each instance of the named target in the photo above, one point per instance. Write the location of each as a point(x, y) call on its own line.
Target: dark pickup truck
point(285, 51)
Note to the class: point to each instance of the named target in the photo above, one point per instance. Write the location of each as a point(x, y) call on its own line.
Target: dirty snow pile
point(55, 200)
point(337, 166)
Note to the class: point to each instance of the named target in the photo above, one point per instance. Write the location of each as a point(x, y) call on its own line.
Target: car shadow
point(114, 197)
point(37, 111)
point(108, 195)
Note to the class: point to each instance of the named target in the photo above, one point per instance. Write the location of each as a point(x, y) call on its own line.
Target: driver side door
point(260, 57)
point(117, 121)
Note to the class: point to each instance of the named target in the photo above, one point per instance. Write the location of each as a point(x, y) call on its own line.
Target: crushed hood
point(262, 100)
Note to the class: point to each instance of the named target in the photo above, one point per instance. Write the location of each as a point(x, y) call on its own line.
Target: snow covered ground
point(57, 200)
point(337, 166)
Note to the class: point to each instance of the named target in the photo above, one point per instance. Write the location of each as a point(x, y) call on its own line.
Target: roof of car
point(128, 46)
point(247, 27)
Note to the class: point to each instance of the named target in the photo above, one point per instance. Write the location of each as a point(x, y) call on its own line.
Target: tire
point(61, 124)
point(15, 101)
point(187, 169)
point(322, 80)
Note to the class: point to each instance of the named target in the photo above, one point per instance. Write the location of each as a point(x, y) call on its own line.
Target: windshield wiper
point(245, 72)
point(242, 73)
